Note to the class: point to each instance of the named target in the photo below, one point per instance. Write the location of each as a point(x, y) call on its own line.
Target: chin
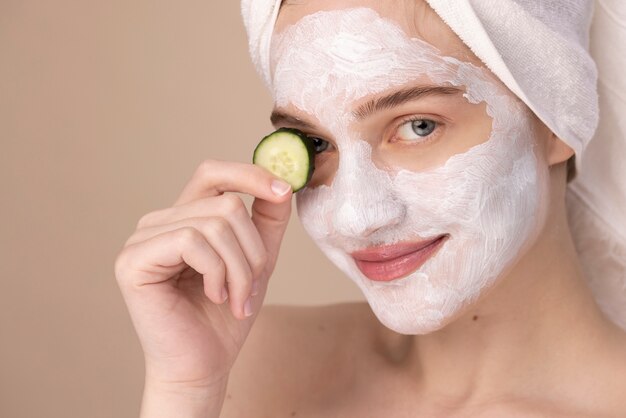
point(412, 327)
point(411, 320)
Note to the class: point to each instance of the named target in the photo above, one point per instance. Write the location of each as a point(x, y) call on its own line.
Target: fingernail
point(255, 287)
point(247, 307)
point(224, 294)
point(280, 188)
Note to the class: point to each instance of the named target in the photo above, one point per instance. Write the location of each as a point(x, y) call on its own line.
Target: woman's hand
point(173, 269)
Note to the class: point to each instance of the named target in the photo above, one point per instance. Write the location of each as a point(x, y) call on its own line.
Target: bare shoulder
point(608, 381)
point(596, 387)
point(593, 387)
point(294, 353)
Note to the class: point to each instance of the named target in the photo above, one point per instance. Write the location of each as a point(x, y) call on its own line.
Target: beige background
point(106, 108)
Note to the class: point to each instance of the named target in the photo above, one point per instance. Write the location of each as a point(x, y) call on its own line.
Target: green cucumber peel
point(289, 154)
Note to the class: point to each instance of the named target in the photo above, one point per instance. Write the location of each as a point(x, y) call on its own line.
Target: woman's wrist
point(177, 400)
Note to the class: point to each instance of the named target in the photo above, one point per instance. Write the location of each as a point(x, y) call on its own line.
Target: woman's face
point(428, 184)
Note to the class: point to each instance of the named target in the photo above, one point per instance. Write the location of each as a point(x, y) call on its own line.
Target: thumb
point(271, 219)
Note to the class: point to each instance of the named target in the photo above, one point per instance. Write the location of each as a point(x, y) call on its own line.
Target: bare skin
point(339, 361)
point(534, 345)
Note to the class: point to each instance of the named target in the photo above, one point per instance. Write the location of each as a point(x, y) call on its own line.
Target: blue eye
point(416, 129)
point(320, 144)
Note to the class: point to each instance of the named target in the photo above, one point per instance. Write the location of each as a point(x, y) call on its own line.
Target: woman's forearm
point(165, 401)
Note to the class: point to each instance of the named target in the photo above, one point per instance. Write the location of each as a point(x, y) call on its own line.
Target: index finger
point(214, 177)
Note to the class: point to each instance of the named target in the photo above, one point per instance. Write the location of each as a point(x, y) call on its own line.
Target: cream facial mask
point(488, 202)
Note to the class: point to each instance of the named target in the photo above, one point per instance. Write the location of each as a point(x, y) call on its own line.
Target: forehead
point(338, 58)
point(414, 17)
point(330, 51)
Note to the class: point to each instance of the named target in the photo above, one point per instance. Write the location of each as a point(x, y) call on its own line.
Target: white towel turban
point(547, 54)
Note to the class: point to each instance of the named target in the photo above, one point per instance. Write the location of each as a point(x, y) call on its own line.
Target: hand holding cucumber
point(173, 268)
point(194, 275)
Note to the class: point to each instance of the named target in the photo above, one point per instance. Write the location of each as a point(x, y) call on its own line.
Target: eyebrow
point(401, 97)
point(389, 101)
point(281, 118)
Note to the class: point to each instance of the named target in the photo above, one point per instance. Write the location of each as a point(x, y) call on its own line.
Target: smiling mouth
point(391, 262)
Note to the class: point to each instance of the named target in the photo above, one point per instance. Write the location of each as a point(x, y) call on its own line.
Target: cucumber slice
point(289, 154)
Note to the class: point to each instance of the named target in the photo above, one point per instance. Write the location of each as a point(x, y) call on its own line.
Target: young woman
point(438, 190)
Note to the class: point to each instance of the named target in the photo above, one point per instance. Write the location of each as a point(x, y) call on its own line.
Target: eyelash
point(328, 144)
point(427, 139)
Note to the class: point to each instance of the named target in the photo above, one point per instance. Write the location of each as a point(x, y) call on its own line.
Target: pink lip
point(386, 263)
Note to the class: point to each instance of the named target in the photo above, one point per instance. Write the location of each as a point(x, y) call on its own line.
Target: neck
point(520, 339)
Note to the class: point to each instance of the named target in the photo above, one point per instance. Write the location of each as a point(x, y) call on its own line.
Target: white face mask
point(488, 203)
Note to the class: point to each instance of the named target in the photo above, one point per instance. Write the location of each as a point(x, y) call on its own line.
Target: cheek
point(314, 206)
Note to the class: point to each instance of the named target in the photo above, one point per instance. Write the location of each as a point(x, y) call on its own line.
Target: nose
point(357, 218)
point(365, 201)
